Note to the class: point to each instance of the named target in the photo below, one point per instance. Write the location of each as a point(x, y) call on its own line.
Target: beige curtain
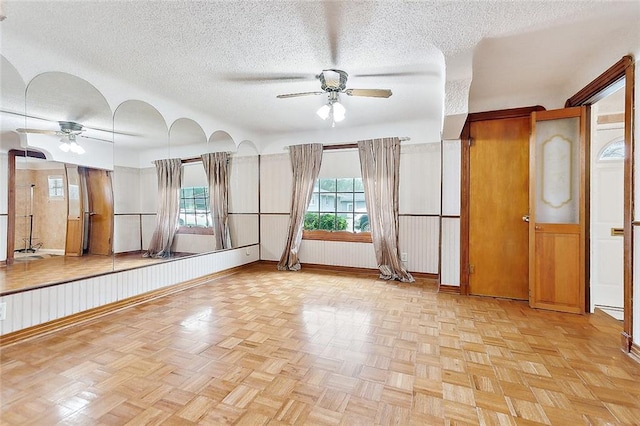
point(216, 167)
point(305, 163)
point(380, 166)
point(169, 174)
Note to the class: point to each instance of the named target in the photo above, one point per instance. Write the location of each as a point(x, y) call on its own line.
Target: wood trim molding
point(100, 311)
point(502, 114)
point(599, 88)
point(352, 237)
point(596, 90)
point(448, 289)
point(194, 230)
point(626, 342)
point(465, 179)
point(629, 190)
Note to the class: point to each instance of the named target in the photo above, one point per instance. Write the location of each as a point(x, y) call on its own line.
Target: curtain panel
point(169, 174)
point(380, 166)
point(305, 164)
point(216, 167)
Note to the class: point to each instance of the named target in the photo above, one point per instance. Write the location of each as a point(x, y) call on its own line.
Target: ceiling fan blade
point(267, 78)
point(398, 74)
point(44, 132)
point(295, 95)
point(97, 139)
point(371, 93)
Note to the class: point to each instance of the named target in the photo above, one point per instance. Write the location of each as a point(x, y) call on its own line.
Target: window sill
point(195, 230)
point(360, 237)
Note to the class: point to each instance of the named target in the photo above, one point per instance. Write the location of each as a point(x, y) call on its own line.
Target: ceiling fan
point(69, 132)
point(334, 81)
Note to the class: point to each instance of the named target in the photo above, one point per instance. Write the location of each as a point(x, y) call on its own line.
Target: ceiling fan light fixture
point(68, 143)
point(324, 111)
point(64, 146)
point(338, 111)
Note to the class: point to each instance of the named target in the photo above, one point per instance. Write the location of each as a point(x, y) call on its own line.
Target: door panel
point(557, 197)
point(100, 196)
point(498, 199)
point(75, 212)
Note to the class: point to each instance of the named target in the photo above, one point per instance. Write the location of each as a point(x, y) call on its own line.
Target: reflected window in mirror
point(56, 187)
point(195, 211)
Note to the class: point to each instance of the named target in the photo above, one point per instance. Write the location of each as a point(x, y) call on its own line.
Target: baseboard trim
point(351, 269)
point(101, 311)
point(449, 289)
point(635, 352)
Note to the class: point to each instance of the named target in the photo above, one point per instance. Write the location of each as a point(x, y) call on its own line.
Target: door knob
point(525, 218)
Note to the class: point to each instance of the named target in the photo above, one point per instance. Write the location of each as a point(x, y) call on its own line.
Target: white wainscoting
point(33, 307)
point(419, 237)
point(450, 274)
point(243, 229)
point(335, 253)
point(148, 226)
point(3, 237)
point(273, 235)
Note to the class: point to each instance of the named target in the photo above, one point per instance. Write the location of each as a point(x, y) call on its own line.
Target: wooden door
point(557, 197)
point(100, 196)
point(75, 212)
point(498, 200)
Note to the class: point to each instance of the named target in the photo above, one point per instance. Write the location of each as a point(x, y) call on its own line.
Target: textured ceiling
point(228, 60)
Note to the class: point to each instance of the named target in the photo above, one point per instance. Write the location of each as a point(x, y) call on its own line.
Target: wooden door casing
point(498, 200)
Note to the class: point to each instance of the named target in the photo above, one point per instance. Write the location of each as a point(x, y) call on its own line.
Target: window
point(613, 151)
point(337, 205)
point(194, 207)
point(56, 188)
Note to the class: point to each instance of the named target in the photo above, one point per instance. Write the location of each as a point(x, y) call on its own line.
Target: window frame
point(342, 236)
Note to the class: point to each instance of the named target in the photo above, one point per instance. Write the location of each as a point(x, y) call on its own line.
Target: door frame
point(11, 199)
point(465, 179)
point(597, 89)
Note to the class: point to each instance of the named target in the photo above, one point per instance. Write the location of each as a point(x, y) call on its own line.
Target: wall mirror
point(60, 110)
point(140, 137)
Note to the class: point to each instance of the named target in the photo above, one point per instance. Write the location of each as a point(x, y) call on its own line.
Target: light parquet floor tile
point(263, 347)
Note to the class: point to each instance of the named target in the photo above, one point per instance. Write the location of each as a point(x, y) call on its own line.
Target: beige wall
point(49, 214)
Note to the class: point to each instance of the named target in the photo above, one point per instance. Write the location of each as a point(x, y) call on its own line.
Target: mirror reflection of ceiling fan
point(334, 82)
point(69, 133)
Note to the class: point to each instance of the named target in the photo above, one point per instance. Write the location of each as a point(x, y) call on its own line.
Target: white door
point(607, 200)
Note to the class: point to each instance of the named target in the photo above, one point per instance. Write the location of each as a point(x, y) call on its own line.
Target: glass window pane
point(357, 185)
point(344, 222)
point(359, 202)
point(361, 223)
point(311, 221)
point(327, 201)
point(344, 185)
point(313, 204)
point(327, 185)
point(327, 222)
point(345, 202)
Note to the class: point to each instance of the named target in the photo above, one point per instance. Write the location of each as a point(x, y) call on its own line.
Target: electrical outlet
point(404, 257)
point(3, 311)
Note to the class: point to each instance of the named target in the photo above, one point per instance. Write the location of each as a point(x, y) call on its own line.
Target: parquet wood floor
point(263, 347)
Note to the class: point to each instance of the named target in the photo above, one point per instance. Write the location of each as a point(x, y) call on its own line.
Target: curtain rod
point(347, 145)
